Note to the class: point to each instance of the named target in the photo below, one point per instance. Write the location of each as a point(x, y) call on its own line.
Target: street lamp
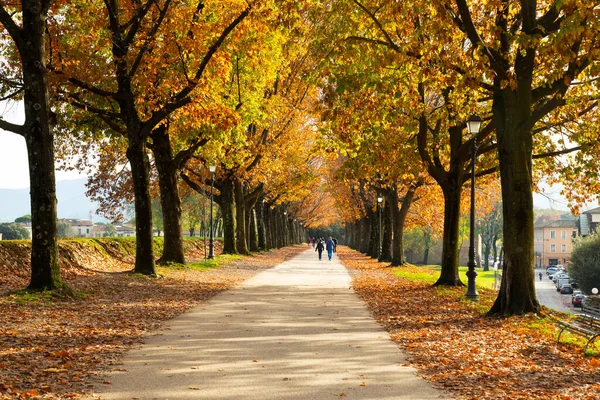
point(379, 201)
point(473, 126)
point(211, 245)
point(595, 291)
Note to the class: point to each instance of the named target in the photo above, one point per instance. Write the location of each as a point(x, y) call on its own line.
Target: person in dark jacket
point(330, 246)
point(320, 247)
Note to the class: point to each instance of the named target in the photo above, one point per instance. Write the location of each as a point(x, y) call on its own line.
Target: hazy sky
point(14, 172)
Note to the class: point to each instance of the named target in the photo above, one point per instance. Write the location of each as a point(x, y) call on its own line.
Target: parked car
point(551, 270)
point(577, 300)
point(560, 281)
point(574, 284)
point(566, 289)
point(559, 275)
point(575, 292)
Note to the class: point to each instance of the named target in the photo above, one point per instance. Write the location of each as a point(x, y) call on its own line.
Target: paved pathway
point(296, 331)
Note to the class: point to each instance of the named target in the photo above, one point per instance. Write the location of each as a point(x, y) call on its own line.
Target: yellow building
point(553, 242)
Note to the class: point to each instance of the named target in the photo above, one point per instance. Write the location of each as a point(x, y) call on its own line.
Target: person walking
point(329, 246)
point(334, 245)
point(541, 276)
point(320, 247)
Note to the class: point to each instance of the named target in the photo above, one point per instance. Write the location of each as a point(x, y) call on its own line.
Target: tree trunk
point(399, 221)
point(240, 217)
point(486, 255)
point(356, 233)
point(45, 270)
point(450, 241)
point(515, 144)
point(227, 204)
point(388, 228)
point(373, 251)
point(169, 197)
point(140, 171)
point(253, 234)
point(261, 226)
point(365, 233)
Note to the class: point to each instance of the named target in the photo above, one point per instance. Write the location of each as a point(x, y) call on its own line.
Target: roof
point(560, 223)
point(78, 222)
point(592, 211)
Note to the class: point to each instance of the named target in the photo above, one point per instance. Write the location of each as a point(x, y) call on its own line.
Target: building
point(553, 241)
point(80, 227)
point(588, 221)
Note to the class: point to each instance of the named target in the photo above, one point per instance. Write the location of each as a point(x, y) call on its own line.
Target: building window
point(574, 234)
point(552, 248)
point(552, 234)
point(563, 248)
point(563, 234)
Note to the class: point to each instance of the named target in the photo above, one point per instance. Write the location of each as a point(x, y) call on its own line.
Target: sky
point(14, 171)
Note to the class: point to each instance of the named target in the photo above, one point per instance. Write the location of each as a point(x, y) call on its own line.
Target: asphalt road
point(549, 297)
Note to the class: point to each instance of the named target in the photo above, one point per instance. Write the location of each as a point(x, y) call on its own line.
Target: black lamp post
point(211, 244)
point(473, 126)
point(379, 201)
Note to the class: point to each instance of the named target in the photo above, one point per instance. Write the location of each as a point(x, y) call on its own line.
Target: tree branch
point(149, 38)
point(13, 29)
point(473, 35)
point(182, 98)
point(14, 128)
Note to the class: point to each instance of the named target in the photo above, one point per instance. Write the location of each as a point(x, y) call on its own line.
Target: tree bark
point(170, 200)
point(253, 232)
point(450, 241)
point(261, 225)
point(39, 139)
point(388, 228)
point(399, 221)
point(228, 210)
point(240, 217)
point(515, 144)
point(140, 171)
point(373, 251)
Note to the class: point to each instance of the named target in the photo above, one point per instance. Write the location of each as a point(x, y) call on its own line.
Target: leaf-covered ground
point(455, 346)
point(50, 348)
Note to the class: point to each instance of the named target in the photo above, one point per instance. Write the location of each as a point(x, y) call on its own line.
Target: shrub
point(13, 231)
point(585, 262)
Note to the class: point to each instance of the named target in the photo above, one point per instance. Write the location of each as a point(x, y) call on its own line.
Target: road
point(548, 296)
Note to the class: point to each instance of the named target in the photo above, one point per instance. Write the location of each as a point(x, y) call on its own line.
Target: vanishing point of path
point(296, 331)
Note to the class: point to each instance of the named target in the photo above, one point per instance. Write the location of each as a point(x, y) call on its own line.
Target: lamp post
point(473, 126)
point(211, 244)
point(379, 201)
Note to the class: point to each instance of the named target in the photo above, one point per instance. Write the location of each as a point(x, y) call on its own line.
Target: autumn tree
point(134, 97)
point(528, 54)
point(25, 23)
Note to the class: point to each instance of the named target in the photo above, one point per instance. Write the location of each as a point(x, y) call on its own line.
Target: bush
point(64, 229)
point(585, 262)
point(13, 231)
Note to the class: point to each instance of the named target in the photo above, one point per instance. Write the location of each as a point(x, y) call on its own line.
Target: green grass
point(24, 296)
point(431, 273)
point(217, 262)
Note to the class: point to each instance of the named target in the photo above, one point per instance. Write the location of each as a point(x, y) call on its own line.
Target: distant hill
point(72, 202)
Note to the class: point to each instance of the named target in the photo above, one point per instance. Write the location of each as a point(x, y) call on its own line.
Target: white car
point(559, 275)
